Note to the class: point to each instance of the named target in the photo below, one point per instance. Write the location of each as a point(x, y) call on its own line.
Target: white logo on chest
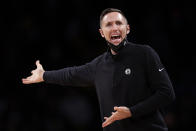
point(128, 71)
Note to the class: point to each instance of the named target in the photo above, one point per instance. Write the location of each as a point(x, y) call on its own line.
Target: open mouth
point(115, 39)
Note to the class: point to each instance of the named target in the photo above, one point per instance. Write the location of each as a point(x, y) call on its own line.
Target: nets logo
point(128, 71)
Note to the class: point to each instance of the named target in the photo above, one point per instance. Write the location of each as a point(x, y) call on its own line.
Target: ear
point(128, 29)
point(101, 32)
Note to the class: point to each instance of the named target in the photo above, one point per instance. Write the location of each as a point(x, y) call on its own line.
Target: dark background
point(63, 33)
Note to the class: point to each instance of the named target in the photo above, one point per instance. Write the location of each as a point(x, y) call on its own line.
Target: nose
point(114, 27)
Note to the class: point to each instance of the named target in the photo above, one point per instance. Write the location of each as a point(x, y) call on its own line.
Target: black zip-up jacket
point(134, 78)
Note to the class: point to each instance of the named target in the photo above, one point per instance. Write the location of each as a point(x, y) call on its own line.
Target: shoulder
point(98, 59)
point(140, 48)
point(137, 48)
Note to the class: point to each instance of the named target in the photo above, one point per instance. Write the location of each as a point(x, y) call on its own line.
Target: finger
point(115, 108)
point(119, 108)
point(106, 123)
point(105, 118)
point(30, 77)
point(109, 121)
point(32, 71)
point(113, 113)
point(37, 63)
point(28, 80)
point(25, 81)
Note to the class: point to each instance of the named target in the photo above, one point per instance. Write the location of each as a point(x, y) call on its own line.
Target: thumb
point(118, 108)
point(105, 118)
point(38, 64)
point(115, 108)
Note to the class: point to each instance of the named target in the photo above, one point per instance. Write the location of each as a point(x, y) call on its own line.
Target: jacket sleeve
point(160, 84)
point(72, 76)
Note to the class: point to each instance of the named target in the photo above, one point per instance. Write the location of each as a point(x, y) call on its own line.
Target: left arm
point(160, 84)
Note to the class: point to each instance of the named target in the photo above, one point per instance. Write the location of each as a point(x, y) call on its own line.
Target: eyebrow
point(117, 21)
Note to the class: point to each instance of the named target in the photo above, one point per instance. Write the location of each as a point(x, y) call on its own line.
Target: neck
point(113, 52)
point(116, 48)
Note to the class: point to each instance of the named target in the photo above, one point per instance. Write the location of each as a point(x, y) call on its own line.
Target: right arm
point(73, 76)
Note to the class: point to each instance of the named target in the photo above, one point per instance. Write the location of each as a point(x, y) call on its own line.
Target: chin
point(116, 43)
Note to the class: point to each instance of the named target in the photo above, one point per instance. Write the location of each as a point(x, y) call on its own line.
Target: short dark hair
point(109, 10)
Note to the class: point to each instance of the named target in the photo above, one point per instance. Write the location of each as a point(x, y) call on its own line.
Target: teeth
point(113, 37)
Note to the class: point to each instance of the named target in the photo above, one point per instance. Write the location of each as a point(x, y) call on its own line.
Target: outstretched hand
point(37, 75)
point(122, 112)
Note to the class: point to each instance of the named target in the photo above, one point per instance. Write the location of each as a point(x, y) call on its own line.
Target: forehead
point(113, 16)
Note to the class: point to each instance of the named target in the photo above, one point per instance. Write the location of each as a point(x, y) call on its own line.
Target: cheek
point(106, 33)
point(124, 31)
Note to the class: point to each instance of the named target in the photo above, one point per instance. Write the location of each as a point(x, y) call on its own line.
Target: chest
point(124, 73)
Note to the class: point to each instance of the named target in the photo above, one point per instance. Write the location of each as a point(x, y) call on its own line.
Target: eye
point(118, 23)
point(108, 24)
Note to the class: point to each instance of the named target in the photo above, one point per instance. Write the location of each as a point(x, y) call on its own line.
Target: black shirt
point(134, 78)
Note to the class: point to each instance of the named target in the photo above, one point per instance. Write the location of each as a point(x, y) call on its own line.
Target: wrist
point(129, 112)
point(42, 76)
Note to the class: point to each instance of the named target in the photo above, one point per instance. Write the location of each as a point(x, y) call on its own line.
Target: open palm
point(37, 75)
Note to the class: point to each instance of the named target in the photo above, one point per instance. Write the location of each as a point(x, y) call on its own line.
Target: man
point(131, 83)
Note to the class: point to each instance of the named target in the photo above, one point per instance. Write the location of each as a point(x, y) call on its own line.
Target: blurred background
point(63, 33)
